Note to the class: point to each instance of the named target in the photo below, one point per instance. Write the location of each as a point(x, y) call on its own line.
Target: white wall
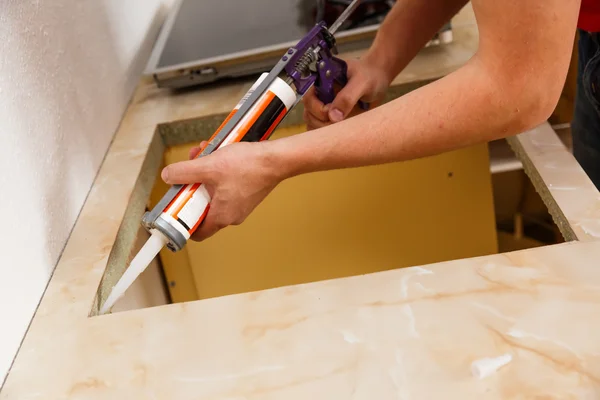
point(67, 70)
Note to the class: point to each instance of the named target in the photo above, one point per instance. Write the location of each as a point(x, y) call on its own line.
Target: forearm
point(409, 25)
point(511, 84)
point(467, 107)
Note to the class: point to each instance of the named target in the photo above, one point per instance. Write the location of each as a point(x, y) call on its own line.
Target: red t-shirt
point(589, 16)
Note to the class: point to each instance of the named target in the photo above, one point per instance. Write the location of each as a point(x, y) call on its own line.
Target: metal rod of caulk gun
point(344, 16)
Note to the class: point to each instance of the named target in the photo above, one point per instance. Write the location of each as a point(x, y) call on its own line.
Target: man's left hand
point(237, 177)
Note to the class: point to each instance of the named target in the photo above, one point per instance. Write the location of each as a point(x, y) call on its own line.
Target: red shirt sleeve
point(589, 16)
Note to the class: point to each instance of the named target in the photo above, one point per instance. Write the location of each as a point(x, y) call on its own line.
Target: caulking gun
point(311, 62)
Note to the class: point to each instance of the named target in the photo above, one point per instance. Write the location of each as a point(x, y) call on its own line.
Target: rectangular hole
point(331, 224)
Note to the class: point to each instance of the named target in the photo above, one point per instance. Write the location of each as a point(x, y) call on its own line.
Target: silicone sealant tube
point(189, 207)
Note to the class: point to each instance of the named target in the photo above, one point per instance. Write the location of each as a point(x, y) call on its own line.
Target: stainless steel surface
point(211, 28)
point(202, 41)
point(344, 16)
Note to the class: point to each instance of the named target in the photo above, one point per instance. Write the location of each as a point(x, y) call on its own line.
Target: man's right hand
point(365, 82)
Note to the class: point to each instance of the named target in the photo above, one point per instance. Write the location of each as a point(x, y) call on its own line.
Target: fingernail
point(336, 115)
point(164, 174)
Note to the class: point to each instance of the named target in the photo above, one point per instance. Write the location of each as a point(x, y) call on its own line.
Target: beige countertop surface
point(411, 333)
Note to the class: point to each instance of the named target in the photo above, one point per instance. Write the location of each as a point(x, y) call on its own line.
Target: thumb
point(184, 172)
point(345, 100)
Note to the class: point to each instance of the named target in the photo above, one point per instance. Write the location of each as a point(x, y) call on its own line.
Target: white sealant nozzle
point(140, 262)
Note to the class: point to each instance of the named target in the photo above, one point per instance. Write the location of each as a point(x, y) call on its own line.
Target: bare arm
point(408, 26)
point(512, 84)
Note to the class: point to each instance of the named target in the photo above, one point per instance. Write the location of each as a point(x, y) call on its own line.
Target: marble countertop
point(507, 326)
point(415, 333)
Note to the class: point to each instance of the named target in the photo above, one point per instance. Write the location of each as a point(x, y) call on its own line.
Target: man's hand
point(237, 177)
point(365, 82)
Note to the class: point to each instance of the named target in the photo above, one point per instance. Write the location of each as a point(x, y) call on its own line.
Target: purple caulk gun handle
point(333, 70)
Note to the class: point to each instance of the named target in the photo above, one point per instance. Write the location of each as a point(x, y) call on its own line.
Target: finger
point(315, 106)
point(194, 151)
point(185, 172)
point(314, 123)
point(346, 99)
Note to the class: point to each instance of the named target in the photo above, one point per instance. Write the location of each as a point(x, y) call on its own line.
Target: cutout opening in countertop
point(348, 223)
point(315, 227)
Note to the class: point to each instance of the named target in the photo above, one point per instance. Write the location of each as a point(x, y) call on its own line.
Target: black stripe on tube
point(187, 228)
point(264, 121)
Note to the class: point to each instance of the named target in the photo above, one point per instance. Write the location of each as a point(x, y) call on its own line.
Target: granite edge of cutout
point(536, 179)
